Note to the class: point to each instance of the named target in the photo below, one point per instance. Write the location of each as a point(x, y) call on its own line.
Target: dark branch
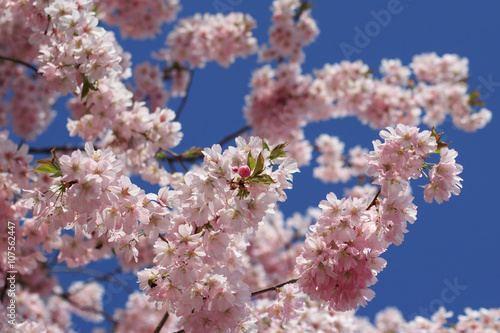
point(374, 201)
point(68, 148)
point(233, 135)
point(20, 62)
point(97, 276)
point(88, 309)
point(222, 142)
point(161, 323)
point(273, 287)
point(184, 99)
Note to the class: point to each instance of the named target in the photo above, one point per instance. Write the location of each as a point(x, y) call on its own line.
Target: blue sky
point(451, 256)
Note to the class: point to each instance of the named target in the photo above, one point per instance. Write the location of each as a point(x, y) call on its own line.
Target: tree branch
point(20, 62)
point(274, 287)
point(161, 323)
point(374, 201)
point(97, 276)
point(88, 309)
point(233, 135)
point(68, 148)
point(184, 99)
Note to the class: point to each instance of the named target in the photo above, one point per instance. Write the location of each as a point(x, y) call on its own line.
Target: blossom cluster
point(276, 107)
point(318, 319)
point(93, 198)
point(341, 256)
point(199, 272)
point(292, 29)
point(199, 39)
point(75, 53)
point(54, 314)
point(137, 19)
point(283, 100)
point(437, 89)
point(333, 165)
point(207, 246)
point(149, 86)
point(27, 101)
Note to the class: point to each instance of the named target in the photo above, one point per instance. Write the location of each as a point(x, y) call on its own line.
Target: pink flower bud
point(244, 171)
point(235, 169)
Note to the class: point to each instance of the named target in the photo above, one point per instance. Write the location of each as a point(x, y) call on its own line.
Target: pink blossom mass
point(200, 231)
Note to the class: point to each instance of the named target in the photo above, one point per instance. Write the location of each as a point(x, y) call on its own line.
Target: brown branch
point(68, 148)
point(374, 201)
point(233, 135)
point(178, 158)
point(162, 238)
point(274, 287)
point(88, 309)
point(161, 323)
point(20, 62)
point(97, 276)
point(184, 99)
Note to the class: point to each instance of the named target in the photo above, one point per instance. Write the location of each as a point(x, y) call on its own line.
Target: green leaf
point(440, 144)
point(160, 155)
point(264, 145)
point(87, 86)
point(44, 161)
point(474, 98)
point(250, 161)
point(243, 193)
point(55, 160)
point(278, 151)
point(193, 152)
point(57, 174)
point(259, 166)
point(46, 168)
point(85, 89)
point(261, 179)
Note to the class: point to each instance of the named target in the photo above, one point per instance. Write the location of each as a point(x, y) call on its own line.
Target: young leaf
point(44, 161)
point(243, 193)
point(250, 161)
point(264, 145)
point(278, 151)
point(193, 152)
point(46, 168)
point(259, 165)
point(57, 174)
point(261, 179)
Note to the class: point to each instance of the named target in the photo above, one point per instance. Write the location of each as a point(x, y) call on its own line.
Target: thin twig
point(97, 275)
point(273, 287)
point(20, 62)
point(374, 201)
point(184, 99)
point(163, 238)
point(34, 150)
point(178, 158)
point(233, 135)
point(161, 323)
point(88, 309)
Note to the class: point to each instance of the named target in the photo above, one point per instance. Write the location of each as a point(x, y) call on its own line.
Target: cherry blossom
point(210, 248)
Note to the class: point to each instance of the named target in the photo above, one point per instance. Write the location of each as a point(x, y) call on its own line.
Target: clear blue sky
point(453, 243)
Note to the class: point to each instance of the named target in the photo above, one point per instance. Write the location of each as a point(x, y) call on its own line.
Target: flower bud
point(244, 171)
